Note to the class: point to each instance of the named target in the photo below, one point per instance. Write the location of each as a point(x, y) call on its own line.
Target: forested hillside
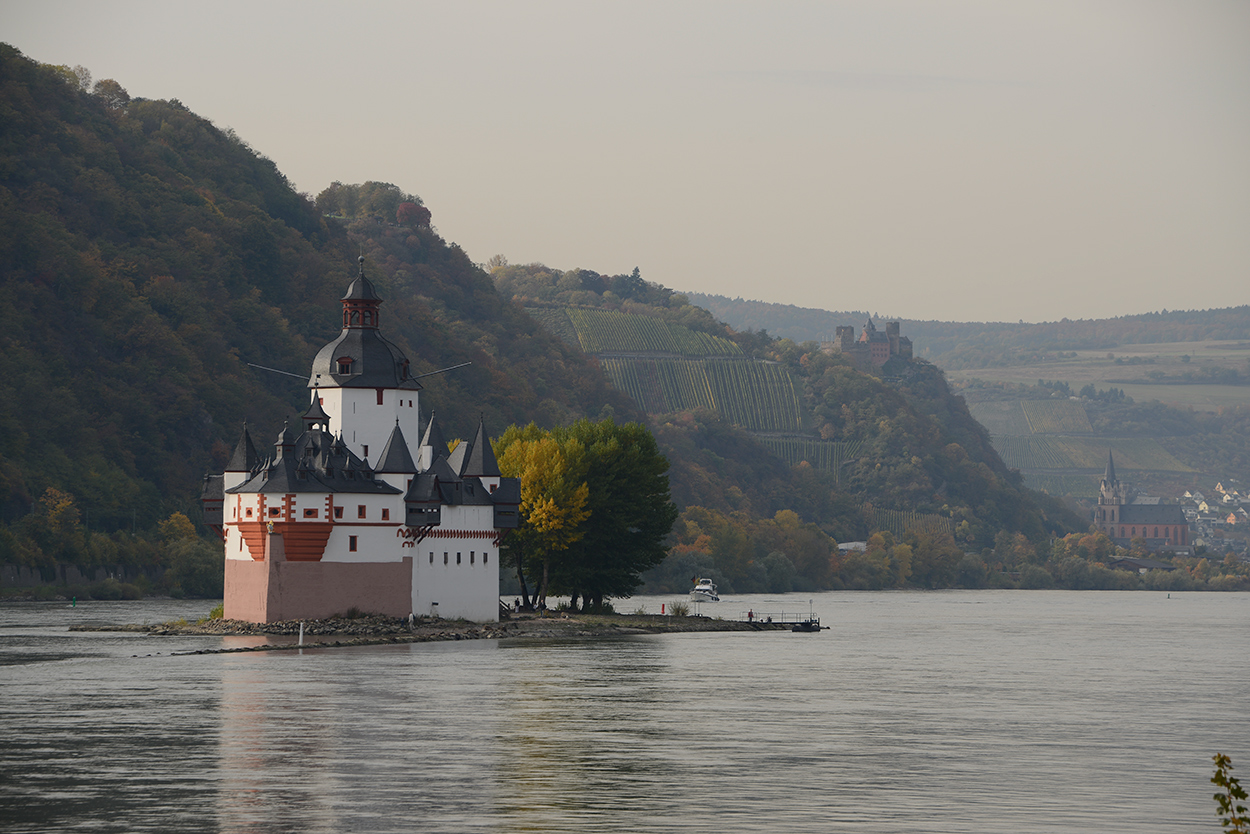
point(147, 259)
point(842, 451)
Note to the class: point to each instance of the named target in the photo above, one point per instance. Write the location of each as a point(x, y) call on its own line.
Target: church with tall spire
point(313, 528)
point(1125, 517)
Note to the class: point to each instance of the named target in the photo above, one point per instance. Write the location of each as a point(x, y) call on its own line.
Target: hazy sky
point(1017, 159)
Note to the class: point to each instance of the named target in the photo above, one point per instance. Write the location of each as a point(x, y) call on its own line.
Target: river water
point(977, 711)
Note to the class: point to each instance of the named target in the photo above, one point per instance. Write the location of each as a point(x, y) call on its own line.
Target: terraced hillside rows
point(1024, 417)
point(609, 331)
point(754, 395)
point(829, 455)
point(1089, 453)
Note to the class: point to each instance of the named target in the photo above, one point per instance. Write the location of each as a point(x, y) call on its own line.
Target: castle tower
point(363, 381)
point(315, 528)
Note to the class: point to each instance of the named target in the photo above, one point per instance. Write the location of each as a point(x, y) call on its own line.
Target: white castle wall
point(366, 424)
point(457, 570)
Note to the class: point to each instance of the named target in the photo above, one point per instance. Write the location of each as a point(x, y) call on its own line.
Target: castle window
point(444, 557)
point(360, 511)
point(472, 557)
point(485, 557)
point(386, 515)
point(274, 512)
point(379, 396)
point(338, 512)
point(457, 558)
point(249, 512)
point(1156, 532)
point(310, 513)
point(431, 557)
point(345, 365)
point(365, 450)
point(351, 543)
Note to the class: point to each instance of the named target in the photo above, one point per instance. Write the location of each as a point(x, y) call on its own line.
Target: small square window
point(338, 512)
point(386, 514)
point(310, 513)
point(360, 511)
point(351, 543)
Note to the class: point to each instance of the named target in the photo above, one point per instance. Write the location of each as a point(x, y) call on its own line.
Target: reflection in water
point(946, 712)
point(575, 739)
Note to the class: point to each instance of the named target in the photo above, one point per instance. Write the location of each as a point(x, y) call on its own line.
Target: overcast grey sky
point(1019, 159)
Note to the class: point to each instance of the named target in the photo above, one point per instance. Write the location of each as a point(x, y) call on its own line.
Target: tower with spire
point(314, 527)
point(1124, 517)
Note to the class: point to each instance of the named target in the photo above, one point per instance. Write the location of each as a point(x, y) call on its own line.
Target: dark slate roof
point(315, 413)
point(481, 461)
point(214, 488)
point(1151, 514)
point(376, 362)
point(508, 491)
point(434, 437)
point(395, 457)
point(245, 457)
point(313, 462)
point(1109, 475)
point(362, 288)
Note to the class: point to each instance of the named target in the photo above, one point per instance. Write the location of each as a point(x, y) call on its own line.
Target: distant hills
point(1058, 396)
point(959, 345)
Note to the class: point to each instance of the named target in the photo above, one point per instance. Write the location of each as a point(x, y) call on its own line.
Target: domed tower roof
point(361, 357)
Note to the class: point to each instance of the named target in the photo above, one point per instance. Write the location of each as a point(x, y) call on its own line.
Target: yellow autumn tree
point(554, 496)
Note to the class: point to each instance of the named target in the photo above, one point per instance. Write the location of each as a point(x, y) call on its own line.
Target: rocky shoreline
point(377, 630)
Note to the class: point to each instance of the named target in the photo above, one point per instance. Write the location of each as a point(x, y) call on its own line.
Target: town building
point(1124, 517)
point(874, 347)
point(312, 528)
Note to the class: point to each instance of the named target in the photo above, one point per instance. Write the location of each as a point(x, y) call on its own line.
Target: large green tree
point(631, 513)
point(596, 549)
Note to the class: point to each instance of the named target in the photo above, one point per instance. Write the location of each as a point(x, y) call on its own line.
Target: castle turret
point(364, 382)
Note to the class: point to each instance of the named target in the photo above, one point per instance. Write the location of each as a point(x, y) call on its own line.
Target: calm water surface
point(937, 712)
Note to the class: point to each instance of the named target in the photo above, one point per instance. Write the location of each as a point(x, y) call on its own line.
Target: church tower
point(363, 381)
point(1111, 499)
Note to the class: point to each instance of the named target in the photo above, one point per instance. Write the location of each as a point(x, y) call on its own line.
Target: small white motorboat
point(704, 591)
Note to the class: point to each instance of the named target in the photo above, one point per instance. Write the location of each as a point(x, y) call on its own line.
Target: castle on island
point(313, 528)
point(874, 347)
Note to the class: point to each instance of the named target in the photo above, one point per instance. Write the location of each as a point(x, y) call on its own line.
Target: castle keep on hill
point(315, 529)
point(873, 348)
